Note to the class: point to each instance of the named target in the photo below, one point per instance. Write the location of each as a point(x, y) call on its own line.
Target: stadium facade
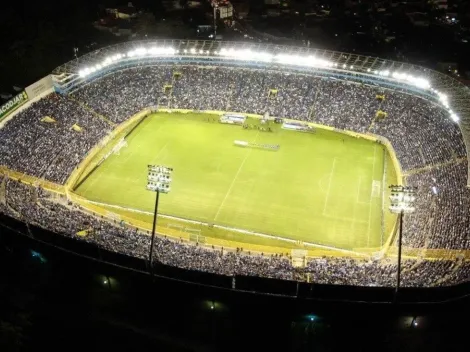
point(439, 89)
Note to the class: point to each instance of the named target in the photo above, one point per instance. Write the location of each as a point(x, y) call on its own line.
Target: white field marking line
point(358, 201)
point(108, 164)
point(259, 234)
point(100, 168)
point(151, 163)
point(159, 153)
point(353, 223)
point(370, 204)
point(235, 179)
point(104, 166)
point(358, 190)
point(339, 218)
point(329, 185)
point(138, 144)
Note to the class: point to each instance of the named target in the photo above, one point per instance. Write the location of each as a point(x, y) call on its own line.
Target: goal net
point(117, 149)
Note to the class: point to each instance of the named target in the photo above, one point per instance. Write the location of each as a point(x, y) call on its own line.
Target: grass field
point(324, 188)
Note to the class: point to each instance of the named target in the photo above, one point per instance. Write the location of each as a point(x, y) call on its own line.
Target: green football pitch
point(324, 188)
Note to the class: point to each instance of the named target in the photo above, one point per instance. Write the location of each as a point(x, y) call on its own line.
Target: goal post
point(117, 148)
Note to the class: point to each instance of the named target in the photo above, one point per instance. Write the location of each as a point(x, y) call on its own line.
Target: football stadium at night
point(264, 160)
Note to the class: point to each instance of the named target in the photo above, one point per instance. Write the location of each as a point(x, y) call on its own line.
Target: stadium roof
point(453, 94)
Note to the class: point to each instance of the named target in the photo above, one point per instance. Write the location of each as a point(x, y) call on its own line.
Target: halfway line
point(329, 185)
point(234, 179)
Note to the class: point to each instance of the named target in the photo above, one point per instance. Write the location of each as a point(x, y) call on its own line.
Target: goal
point(122, 143)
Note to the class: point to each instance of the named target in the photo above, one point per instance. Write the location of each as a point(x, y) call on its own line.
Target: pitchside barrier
point(33, 181)
point(96, 156)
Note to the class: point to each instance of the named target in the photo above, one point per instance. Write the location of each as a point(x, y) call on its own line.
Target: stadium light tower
point(158, 180)
point(401, 202)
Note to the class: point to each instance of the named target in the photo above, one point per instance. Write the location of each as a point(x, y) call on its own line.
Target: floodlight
point(158, 181)
point(401, 202)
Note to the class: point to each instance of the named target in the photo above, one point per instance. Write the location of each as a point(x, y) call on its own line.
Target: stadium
point(282, 160)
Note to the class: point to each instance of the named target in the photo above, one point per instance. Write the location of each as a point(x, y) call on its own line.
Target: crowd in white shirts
point(427, 143)
point(37, 207)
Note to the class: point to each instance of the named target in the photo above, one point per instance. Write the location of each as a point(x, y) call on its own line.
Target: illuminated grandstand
point(66, 166)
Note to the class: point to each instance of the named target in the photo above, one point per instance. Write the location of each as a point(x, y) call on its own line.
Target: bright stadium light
point(402, 200)
point(454, 117)
point(158, 181)
point(282, 58)
point(140, 51)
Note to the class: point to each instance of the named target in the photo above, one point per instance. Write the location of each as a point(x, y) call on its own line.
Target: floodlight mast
point(158, 180)
point(401, 202)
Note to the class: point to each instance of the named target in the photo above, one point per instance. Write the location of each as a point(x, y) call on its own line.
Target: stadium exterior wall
point(40, 87)
point(12, 104)
point(31, 94)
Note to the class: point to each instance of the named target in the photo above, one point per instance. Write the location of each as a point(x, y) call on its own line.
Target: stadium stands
point(50, 149)
point(36, 205)
point(428, 144)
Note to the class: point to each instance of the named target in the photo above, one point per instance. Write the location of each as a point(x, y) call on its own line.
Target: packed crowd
point(26, 202)
point(42, 141)
point(442, 219)
point(420, 131)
